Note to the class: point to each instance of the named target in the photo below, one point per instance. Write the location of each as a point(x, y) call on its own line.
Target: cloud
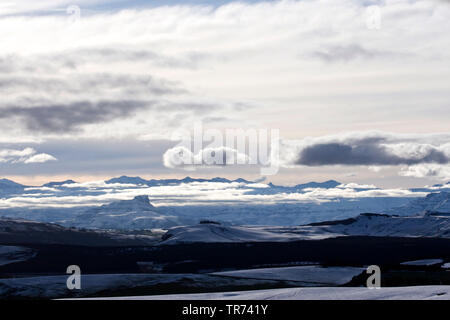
point(258, 52)
point(27, 155)
point(76, 58)
point(185, 62)
point(198, 193)
point(40, 158)
point(345, 53)
point(367, 149)
point(441, 172)
point(69, 117)
point(92, 83)
point(183, 158)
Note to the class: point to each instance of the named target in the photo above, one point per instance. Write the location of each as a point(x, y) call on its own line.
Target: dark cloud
point(364, 152)
point(73, 59)
point(60, 118)
point(92, 84)
point(345, 53)
point(189, 59)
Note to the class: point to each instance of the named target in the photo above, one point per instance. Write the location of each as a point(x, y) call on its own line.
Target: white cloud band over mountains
point(27, 155)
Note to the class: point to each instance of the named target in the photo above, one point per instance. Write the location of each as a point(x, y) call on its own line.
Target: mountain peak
point(143, 199)
point(325, 185)
point(6, 183)
point(58, 183)
point(127, 180)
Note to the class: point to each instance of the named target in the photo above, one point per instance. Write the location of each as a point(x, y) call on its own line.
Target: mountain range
point(134, 209)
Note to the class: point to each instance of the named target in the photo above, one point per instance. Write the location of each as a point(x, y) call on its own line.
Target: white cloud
point(306, 67)
point(268, 54)
point(40, 158)
point(441, 172)
point(181, 157)
point(27, 155)
point(195, 193)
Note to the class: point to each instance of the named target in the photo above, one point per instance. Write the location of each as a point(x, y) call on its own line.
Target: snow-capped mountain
point(10, 187)
point(189, 200)
point(325, 185)
point(433, 202)
point(58, 183)
point(137, 213)
point(299, 188)
point(127, 180)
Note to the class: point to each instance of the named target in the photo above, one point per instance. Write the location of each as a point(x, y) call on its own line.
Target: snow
point(389, 226)
point(425, 262)
point(24, 231)
point(363, 225)
point(12, 254)
point(189, 200)
point(122, 203)
point(320, 293)
point(446, 265)
point(438, 202)
point(312, 275)
point(220, 233)
point(136, 214)
point(52, 287)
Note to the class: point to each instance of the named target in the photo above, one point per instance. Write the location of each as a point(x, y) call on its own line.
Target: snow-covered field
point(312, 275)
point(52, 287)
point(321, 293)
point(12, 254)
point(425, 262)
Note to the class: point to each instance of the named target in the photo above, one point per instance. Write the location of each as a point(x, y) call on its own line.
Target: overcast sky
point(359, 90)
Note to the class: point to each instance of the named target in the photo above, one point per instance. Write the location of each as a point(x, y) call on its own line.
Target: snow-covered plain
point(320, 293)
point(425, 262)
point(52, 287)
point(312, 275)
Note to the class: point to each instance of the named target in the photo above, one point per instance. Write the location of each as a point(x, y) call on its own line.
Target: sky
point(358, 91)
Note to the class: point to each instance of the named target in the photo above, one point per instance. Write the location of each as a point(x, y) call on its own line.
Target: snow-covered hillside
point(363, 225)
point(438, 202)
point(392, 226)
point(308, 275)
point(22, 231)
point(12, 254)
point(321, 293)
point(220, 233)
